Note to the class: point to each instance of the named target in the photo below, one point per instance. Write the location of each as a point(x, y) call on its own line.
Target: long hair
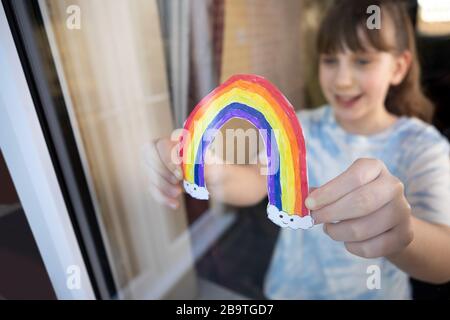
point(342, 27)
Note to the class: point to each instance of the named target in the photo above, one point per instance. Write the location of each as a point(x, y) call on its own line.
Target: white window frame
point(28, 159)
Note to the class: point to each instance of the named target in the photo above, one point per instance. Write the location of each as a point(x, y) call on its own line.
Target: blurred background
point(131, 71)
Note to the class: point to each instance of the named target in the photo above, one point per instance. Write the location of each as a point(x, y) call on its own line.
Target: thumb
point(311, 189)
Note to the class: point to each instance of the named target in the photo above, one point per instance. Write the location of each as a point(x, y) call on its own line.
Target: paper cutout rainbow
point(256, 100)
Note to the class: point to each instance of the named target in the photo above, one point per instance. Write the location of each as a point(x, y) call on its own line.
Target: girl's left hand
point(365, 207)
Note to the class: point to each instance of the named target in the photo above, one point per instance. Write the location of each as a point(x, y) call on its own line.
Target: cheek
point(376, 80)
point(325, 78)
point(375, 84)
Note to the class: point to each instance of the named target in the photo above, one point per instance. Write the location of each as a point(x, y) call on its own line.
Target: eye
point(329, 60)
point(292, 219)
point(362, 61)
point(281, 216)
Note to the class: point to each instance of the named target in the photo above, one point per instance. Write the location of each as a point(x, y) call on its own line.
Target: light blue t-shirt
point(308, 264)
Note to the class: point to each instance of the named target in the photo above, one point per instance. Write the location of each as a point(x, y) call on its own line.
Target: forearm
point(427, 257)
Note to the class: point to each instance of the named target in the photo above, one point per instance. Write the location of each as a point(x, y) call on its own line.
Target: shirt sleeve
point(427, 186)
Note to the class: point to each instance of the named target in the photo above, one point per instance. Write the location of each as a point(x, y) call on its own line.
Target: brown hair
point(340, 28)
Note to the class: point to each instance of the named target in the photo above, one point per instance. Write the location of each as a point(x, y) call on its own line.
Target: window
point(122, 73)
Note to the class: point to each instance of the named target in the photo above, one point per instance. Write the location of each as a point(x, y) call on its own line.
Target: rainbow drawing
point(256, 100)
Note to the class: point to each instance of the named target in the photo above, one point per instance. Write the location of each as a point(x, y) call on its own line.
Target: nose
point(344, 76)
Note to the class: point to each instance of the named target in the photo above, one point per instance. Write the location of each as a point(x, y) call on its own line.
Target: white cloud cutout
point(195, 191)
point(284, 220)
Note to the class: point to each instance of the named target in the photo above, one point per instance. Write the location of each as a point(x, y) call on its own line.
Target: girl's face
point(356, 83)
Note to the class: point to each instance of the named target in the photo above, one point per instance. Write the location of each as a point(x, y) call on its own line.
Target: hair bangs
point(345, 27)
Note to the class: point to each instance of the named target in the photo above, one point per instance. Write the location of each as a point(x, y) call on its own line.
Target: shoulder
point(422, 148)
point(427, 171)
point(419, 136)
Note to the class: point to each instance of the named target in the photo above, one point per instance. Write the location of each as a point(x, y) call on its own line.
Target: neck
point(371, 123)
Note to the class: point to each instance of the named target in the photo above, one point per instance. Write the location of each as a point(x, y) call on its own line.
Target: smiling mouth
point(347, 101)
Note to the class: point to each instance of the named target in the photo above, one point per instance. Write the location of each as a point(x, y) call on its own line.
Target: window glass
point(131, 71)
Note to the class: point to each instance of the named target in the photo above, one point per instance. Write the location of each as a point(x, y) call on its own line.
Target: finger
point(367, 227)
point(168, 152)
point(152, 160)
point(162, 198)
point(362, 201)
point(311, 189)
point(383, 245)
point(167, 188)
point(361, 172)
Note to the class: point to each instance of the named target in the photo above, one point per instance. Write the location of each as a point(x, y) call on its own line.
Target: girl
point(383, 173)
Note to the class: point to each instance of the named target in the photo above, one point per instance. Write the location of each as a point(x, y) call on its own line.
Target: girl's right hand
point(164, 172)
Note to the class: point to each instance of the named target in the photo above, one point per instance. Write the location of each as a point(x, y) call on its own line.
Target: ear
point(402, 64)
